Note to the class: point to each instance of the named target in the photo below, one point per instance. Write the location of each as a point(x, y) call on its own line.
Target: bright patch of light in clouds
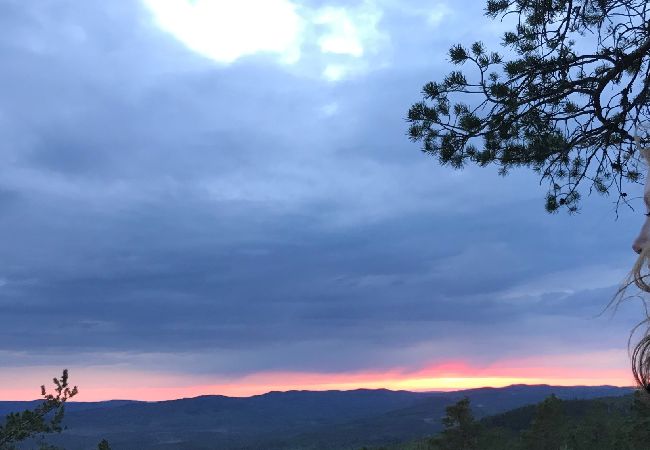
point(228, 30)
point(438, 14)
point(343, 37)
point(351, 33)
point(329, 109)
point(225, 30)
point(335, 72)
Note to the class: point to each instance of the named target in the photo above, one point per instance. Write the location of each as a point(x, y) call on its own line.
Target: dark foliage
point(461, 430)
point(567, 113)
point(45, 418)
point(548, 428)
point(621, 423)
point(103, 445)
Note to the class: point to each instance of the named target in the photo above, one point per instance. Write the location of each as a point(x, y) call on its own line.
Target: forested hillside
point(614, 423)
point(330, 420)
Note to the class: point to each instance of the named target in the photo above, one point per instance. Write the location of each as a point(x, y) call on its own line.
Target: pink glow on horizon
point(105, 383)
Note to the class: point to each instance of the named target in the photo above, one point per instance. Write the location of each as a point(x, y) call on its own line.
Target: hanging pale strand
point(641, 364)
point(642, 263)
point(641, 353)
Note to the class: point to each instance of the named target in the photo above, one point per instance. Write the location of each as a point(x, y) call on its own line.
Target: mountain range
point(287, 420)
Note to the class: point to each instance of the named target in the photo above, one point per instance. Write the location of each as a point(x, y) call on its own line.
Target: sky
point(219, 197)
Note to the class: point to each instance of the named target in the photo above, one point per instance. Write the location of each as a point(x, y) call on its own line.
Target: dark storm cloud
point(152, 202)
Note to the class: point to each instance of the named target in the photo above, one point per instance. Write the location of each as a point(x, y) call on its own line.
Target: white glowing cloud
point(352, 37)
point(330, 109)
point(438, 13)
point(335, 72)
point(433, 11)
point(350, 31)
point(225, 30)
point(343, 37)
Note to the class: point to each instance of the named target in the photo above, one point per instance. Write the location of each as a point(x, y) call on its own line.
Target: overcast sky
point(220, 197)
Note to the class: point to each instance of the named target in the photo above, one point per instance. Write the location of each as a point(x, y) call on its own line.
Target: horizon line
point(334, 390)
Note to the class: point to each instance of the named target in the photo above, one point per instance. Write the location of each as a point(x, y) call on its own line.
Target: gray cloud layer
point(152, 202)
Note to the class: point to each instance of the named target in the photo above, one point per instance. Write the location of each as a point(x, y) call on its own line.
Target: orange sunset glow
point(106, 383)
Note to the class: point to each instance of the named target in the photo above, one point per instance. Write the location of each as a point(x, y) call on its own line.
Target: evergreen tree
point(461, 430)
point(103, 445)
point(548, 431)
point(597, 430)
point(44, 419)
point(638, 426)
point(564, 102)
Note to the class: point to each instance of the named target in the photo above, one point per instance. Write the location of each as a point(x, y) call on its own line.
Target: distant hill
point(424, 418)
point(519, 419)
point(8, 407)
point(603, 423)
point(287, 420)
